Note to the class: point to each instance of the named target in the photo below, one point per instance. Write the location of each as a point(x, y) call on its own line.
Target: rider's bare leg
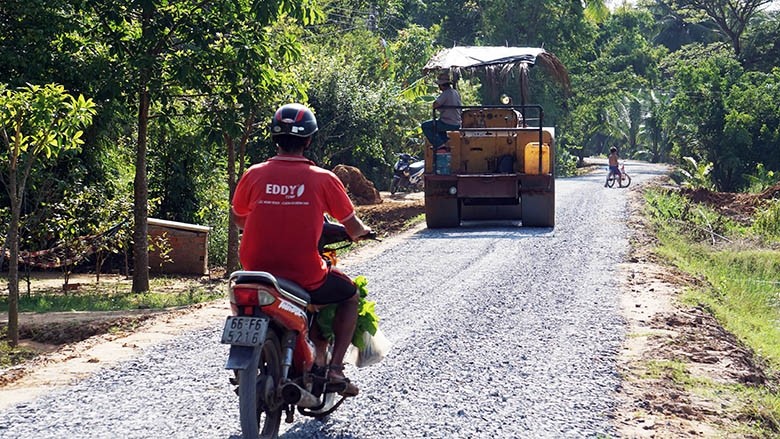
point(343, 330)
point(320, 344)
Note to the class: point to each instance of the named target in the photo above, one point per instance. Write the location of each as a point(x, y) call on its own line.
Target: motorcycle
point(407, 174)
point(271, 354)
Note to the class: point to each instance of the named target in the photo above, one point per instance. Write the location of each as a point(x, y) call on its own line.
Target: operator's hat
point(443, 78)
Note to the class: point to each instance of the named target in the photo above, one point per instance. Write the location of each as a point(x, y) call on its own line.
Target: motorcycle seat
point(285, 284)
point(294, 289)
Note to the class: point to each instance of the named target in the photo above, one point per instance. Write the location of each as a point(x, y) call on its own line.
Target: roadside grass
point(164, 293)
point(12, 356)
point(411, 222)
point(49, 302)
point(740, 287)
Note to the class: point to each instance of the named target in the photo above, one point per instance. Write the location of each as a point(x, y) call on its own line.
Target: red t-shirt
point(284, 200)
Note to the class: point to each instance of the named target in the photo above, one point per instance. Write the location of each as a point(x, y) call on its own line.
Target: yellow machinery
point(500, 163)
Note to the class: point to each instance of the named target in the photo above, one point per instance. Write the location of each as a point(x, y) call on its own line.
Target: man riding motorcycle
point(280, 205)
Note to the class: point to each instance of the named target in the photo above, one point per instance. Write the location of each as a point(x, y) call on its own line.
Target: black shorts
point(337, 288)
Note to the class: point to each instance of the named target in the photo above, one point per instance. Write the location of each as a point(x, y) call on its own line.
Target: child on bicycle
point(613, 165)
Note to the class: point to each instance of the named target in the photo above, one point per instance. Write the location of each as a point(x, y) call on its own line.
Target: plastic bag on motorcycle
point(375, 348)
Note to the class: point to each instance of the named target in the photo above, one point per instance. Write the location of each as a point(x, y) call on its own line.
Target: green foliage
point(761, 179)
point(368, 321)
point(760, 50)
point(721, 113)
point(673, 212)
point(565, 163)
point(363, 115)
point(41, 120)
point(767, 221)
point(559, 26)
point(753, 122)
point(83, 222)
point(622, 65)
point(696, 174)
point(213, 212)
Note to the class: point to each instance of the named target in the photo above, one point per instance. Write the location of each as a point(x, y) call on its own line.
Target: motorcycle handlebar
point(370, 235)
point(333, 233)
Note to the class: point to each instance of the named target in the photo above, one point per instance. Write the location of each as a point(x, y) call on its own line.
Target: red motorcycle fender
point(240, 357)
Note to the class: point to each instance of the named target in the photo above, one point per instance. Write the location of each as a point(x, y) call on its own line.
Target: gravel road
point(497, 332)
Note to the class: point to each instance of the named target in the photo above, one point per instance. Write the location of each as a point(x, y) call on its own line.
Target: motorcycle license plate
point(245, 331)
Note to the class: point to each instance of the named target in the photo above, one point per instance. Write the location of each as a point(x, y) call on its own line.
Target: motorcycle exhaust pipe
point(294, 394)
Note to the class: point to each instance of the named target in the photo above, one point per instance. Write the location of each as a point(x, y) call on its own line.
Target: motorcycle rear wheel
point(394, 186)
point(256, 386)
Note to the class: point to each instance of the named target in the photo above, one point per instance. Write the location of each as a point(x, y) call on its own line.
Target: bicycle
point(623, 181)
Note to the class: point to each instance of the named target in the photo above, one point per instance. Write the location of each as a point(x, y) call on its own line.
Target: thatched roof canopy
point(497, 62)
point(461, 57)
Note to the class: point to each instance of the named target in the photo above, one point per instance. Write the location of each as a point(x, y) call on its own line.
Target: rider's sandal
point(318, 370)
point(349, 388)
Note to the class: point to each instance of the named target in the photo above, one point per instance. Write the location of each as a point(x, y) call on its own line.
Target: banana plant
point(697, 175)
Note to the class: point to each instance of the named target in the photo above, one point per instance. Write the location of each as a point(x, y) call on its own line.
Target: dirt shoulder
point(665, 337)
point(73, 361)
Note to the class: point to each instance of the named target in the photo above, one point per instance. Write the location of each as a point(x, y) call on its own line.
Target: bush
point(767, 221)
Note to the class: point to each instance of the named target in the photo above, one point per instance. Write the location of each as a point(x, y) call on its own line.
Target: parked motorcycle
point(407, 174)
point(271, 354)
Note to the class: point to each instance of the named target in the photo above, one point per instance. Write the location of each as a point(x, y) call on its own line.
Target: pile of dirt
point(739, 206)
point(360, 189)
point(392, 216)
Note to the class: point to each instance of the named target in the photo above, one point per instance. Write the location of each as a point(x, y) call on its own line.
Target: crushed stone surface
point(497, 331)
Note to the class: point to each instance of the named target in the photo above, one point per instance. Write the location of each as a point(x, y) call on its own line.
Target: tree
point(731, 16)
point(621, 63)
point(652, 132)
point(761, 43)
point(37, 123)
point(243, 76)
point(156, 45)
point(674, 31)
point(698, 120)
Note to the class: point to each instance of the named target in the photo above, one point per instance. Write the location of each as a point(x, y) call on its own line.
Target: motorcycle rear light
point(244, 296)
point(251, 296)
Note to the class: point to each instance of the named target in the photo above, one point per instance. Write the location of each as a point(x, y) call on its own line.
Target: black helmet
point(295, 120)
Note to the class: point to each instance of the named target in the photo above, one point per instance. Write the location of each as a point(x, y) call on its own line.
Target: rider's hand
point(355, 228)
point(368, 235)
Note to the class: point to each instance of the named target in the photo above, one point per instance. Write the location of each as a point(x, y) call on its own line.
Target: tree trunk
point(232, 247)
point(140, 184)
point(141, 195)
point(13, 260)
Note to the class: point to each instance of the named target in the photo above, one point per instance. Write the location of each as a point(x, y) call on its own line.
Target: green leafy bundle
point(367, 320)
